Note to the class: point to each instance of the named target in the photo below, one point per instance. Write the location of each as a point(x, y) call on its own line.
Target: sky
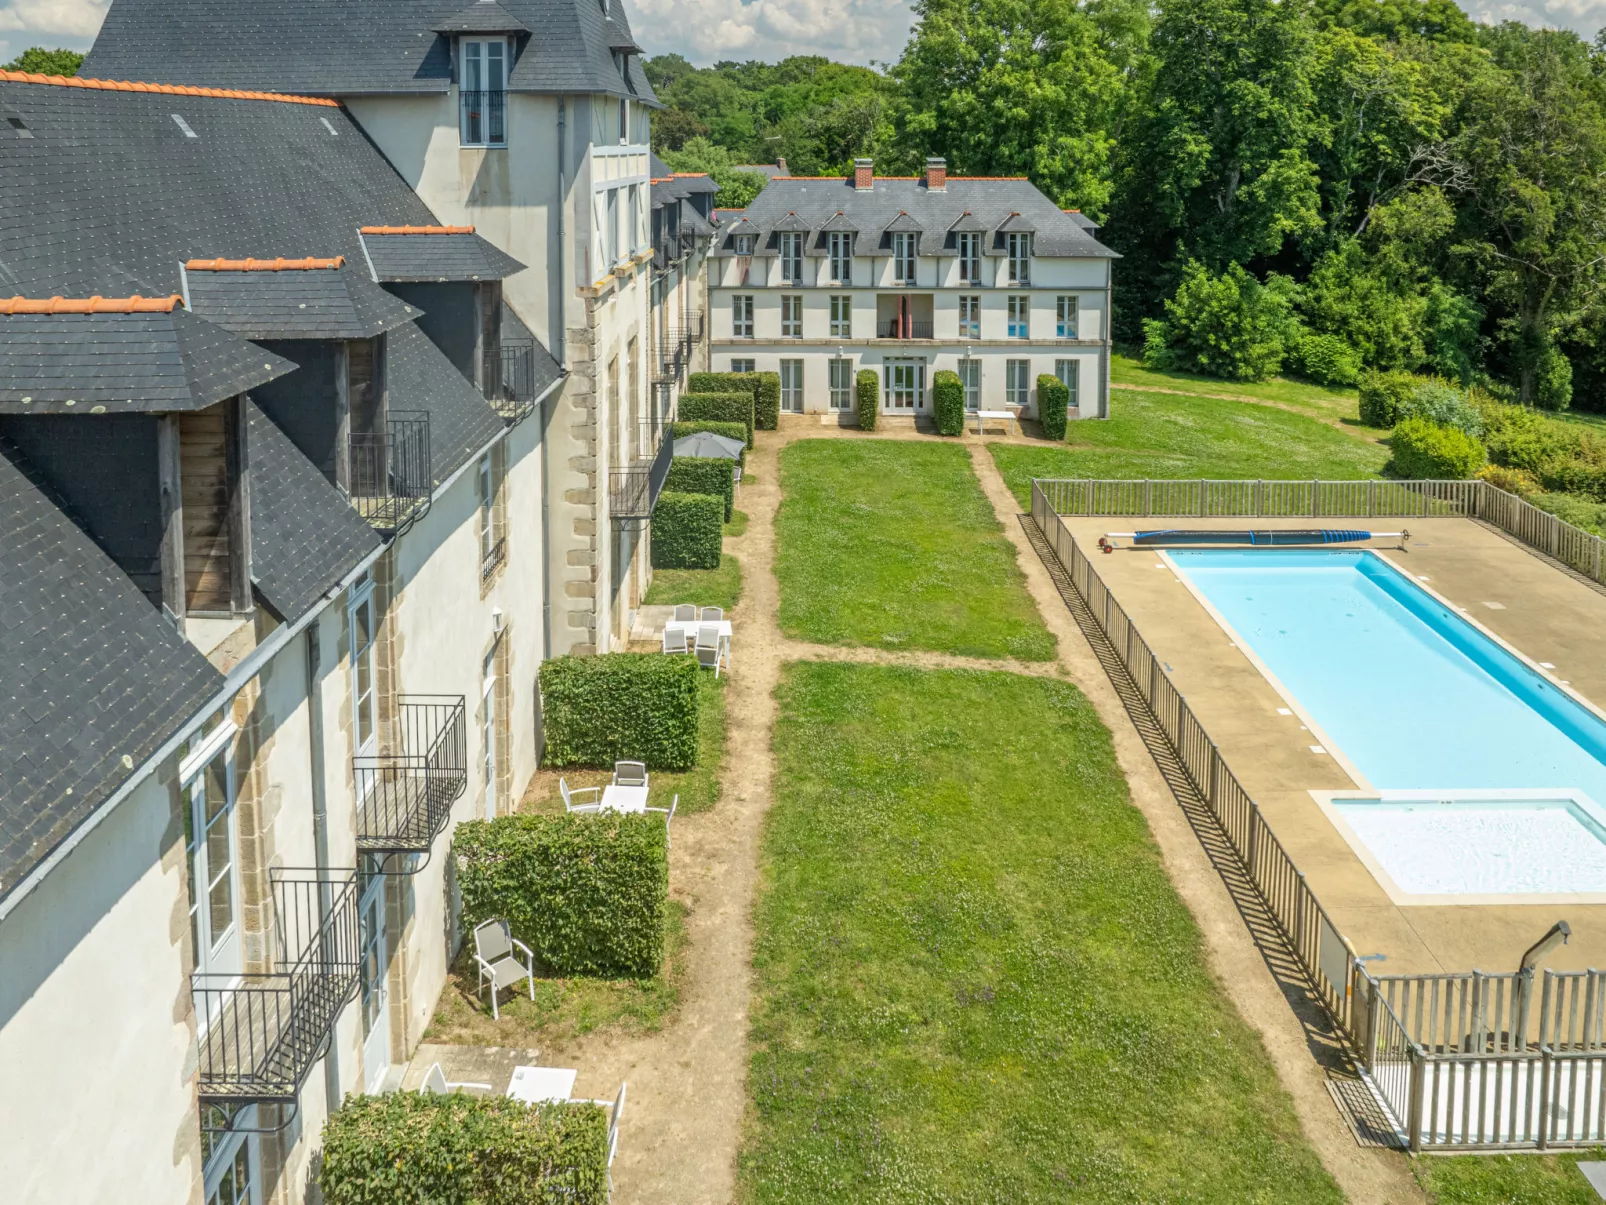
point(849, 31)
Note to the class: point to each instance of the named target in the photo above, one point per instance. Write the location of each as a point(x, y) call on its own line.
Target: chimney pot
point(780, 162)
point(863, 175)
point(937, 174)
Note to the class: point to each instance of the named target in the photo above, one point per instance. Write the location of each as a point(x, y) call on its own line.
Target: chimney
point(937, 174)
point(780, 162)
point(863, 175)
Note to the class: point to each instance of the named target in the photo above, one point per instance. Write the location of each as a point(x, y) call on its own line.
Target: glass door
point(906, 386)
point(792, 386)
point(970, 377)
point(212, 847)
point(375, 993)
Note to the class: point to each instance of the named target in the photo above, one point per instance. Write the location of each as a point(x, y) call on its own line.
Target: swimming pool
point(1409, 696)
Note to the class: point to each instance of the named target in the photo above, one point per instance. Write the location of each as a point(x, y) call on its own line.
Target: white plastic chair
point(570, 794)
point(684, 612)
point(712, 615)
point(675, 641)
point(709, 650)
point(435, 1084)
point(495, 952)
point(616, 1107)
point(736, 476)
point(669, 814)
point(630, 774)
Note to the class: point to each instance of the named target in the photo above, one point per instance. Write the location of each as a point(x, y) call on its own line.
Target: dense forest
point(1325, 188)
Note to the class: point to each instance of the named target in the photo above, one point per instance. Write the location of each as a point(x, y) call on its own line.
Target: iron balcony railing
point(484, 117)
point(516, 398)
point(904, 328)
point(633, 490)
point(390, 482)
point(405, 794)
point(674, 354)
point(260, 1033)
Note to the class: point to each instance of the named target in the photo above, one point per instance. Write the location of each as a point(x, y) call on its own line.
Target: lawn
point(892, 544)
point(1507, 1179)
point(1337, 405)
point(1167, 435)
point(974, 982)
point(705, 587)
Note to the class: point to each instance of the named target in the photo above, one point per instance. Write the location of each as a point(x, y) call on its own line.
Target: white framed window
point(634, 229)
point(791, 315)
point(970, 377)
point(232, 1169)
point(792, 386)
point(482, 91)
point(841, 383)
point(1020, 257)
point(841, 316)
point(903, 256)
point(970, 317)
point(968, 243)
point(1018, 382)
point(1065, 316)
point(1068, 374)
point(487, 499)
point(742, 316)
point(624, 121)
point(364, 679)
point(792, 257)
point(488, 733)
point(745, 243)
point(610, 224)
point(211, 843)
point(1020, 316)
point(738, 365)
point(841, 244)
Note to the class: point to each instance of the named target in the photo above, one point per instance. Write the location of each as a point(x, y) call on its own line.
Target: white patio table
point(1007, 417)
point(690, 626)
point(624, 799)
point(533, 1085)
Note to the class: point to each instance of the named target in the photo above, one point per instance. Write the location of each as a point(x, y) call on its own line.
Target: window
point(745, 243)
point(970, 317)
point(841, 243)
point(610, 227)
point(488, 734)
point(792, 257)
point(482, 92)
point(742, 316)
point(1017, 382)
point(791, 315)
point(633, 231)
point(969, 243)
point(743, 365)
point(493, 541)
point(1065, 317)
point(841, 316)
point(903, 257)
point(841, 384)
point(624, 121)
point(1020, 257)
point(210, 843)
point(1066, 371)
point(792, 386)
point(970, 377)
point(1020, 316)
point(364, 708)
point(231, 1168)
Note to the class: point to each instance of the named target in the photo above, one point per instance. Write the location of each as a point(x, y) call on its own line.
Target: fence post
point(1201, 510)
point(1546, 1068)
point(1374, 998)
point(1418, 1076)
point(1371, 497)
point(1254, 839)
point(1315, 492)
point(1148, 497)
point(1215, 772)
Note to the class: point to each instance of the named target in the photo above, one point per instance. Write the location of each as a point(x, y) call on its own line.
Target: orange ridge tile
point(262, 265)
point(109, 85)
point(415, 230)
point(90, 305)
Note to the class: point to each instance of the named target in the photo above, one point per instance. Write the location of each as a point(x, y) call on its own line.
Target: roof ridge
point(106, 85)
point(415, 229)
point(262, 265)
point(90, 305)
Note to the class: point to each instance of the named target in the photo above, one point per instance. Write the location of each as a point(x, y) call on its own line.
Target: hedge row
point(767, 401)
point(637, 706)
point(588, 894)
point(701, 475)
point(764, 386)
point(1053, 403)
point(719, 408)
point(688, 531)
point(1424, 449)
point(948, 402)
point(867, 389)
point(463, 1150)
point(728, 430)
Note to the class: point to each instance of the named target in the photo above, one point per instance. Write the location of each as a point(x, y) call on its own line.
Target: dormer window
point(841, 244)
point(482, 91)
point(1020, 257)
point(903, 257)
point(792, 257)
point(745, 243)
point(969, 246)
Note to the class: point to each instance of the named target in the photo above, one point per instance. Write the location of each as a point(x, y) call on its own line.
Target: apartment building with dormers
point(821, 277)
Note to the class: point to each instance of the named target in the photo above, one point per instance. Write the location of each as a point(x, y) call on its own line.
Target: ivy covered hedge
point(867, 395)
point(588, 893)
point(700, 475)
point(948, 402)
point(719, 408)
point(728, 430)
point(1053, 402)
point(688, 531)
point(621, 706)
point(464, 1150)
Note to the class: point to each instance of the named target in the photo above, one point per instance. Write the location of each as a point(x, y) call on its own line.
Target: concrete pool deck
point(1515, 594)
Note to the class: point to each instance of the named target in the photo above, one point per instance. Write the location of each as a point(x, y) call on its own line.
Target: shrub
point(1053, 402)
point(1382, 394)
point(1327, 360)
point(587, 894)
point(688, 531)
point(457, 1149)
point(1513, 481)
point(948, 402)
point(1553, 379)
point(719, 408)
point(1425, 449)
point(723, 382)
point(697, 475)
point(767, 401)
point(1224, 326)
point(728, 430)
point(639, 706)
point(867, 398)
point(1442, 403)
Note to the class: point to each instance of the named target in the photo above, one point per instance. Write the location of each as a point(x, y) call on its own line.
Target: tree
point(1224, 326)
point(736, 189)
point(39, 61)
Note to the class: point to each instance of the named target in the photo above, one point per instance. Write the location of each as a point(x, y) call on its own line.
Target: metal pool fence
point(1468, 1061)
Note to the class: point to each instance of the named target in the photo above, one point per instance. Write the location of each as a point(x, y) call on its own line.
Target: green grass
point(705, 587)
point(1339, 405)
point(974, 981)
point(737, 524)
point(1507, 1179)
point(892, 544)
point(1166, 435)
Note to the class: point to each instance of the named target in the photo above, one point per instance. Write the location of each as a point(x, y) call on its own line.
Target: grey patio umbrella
point(707, 446)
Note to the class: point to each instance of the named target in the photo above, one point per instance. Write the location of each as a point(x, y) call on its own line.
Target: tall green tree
point(38, 60)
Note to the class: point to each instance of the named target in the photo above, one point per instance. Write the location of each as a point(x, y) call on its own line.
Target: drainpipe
point(320, 837)
point(559, 341)
point(1104, 349)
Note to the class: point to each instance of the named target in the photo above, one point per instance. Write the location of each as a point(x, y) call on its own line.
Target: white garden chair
point(630, 774)
point(712, 615)
point(685, 612)
point(675, 641)
point(496, 954)
point(572, 794)
point(616, 1109)
point(436, 1084)
point(710, 651)
point(669, 814)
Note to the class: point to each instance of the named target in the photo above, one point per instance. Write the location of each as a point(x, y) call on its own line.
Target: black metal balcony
point(484, 118)
point(633, 490)
point(259, 1034)
point(904, 328)
point(405, 795)
point(674, 355)
point(516, 399)
point(390, 482)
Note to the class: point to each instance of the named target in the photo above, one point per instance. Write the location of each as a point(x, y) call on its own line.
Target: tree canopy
point(38, 60)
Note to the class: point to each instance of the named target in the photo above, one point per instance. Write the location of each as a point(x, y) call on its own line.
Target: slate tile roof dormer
point(401, 254)
point(483, 16)
point(291, 299)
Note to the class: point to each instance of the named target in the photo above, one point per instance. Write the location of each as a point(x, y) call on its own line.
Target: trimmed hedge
point(588, 894)
point(463, 1150)
point(1053, 405)
point(637, 706)
point(867, 398)
point(948, 402)
point(1424, 449)
point(699, 475)
point(728, 430)
point(688, 531)
point(719, 408)
point(767, 401)
point(725, 382)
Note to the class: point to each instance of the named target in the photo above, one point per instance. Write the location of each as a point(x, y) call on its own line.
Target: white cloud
point(75, 20)
point(1583, 17)
point(849, 31)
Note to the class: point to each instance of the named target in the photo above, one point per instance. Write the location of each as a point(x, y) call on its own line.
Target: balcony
point(633, 490)
point(482, 118)
point(516, 399)
point(675, 354)
point(261, 1033)
point(389, 477)
point(405, 795)
point(904, 328)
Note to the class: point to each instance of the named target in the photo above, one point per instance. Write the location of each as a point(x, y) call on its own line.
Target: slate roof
point(305, 537)
point(483, 16)
point(124, 363)
point(357, 47)
point(92, 679)
point(991, 202)
point(296, 303)
point(461, 422)
point(415, 257)
point(547, 370)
